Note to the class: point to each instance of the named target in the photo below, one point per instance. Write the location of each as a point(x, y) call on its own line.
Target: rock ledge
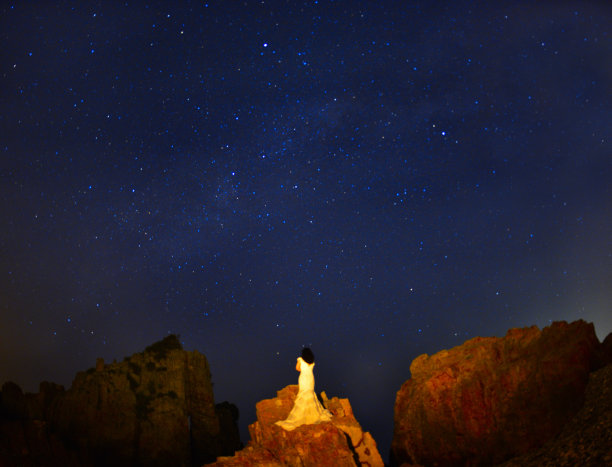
point(338, 443)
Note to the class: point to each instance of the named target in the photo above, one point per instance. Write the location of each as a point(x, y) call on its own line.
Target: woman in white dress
point(306, 409)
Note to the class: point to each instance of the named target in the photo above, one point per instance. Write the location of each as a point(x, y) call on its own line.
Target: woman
point(306, 409)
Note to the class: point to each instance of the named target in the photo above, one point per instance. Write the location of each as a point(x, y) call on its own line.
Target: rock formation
point(338, 443)
point(154, 408)
point(586, 440)
point(491, 399)
point(606, 348)
point(25, 438)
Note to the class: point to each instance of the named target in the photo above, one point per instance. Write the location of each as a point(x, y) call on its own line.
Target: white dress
point(306, 409)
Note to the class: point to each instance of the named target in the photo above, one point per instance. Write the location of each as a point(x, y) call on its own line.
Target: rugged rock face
point(25, 438)
point(338, 443)
point(606, 347)
point(154, 408)
point(586, 440)
point(491, 399)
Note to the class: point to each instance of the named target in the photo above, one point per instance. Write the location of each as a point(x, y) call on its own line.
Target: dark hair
point(307, 355)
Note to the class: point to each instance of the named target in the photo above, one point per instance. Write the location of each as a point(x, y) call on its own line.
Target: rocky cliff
point(154, 408)
point(586, 440)
point(491, 399)
point(338, 443)
point(25, 437)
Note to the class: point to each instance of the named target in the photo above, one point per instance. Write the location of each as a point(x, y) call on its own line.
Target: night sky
point(375, 180)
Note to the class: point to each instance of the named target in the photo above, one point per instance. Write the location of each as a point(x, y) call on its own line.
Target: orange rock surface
point(338, 443)
point(491, 398)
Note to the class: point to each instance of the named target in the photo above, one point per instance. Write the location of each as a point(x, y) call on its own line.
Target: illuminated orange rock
point(338, 443)
point(491, 399)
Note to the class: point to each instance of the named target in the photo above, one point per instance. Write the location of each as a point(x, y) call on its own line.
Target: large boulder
point(340, 442)
point(491, 399)
point(586, 440)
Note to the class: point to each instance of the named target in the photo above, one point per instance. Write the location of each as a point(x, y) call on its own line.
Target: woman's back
point(306, 380)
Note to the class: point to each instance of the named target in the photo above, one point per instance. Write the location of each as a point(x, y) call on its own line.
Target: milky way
point(376, 180)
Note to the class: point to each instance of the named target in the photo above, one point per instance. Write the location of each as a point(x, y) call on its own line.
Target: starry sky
point(375, 180)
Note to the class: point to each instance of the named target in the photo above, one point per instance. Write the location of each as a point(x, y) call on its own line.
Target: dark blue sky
point(374, 179)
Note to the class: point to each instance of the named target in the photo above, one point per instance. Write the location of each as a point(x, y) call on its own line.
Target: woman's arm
point(298, 367)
